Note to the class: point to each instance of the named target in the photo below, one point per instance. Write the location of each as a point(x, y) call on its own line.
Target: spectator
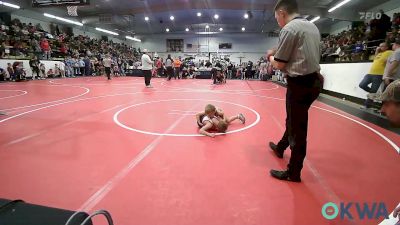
point(36, 47)
point(177, 67)
point(81, 66)
point(230, 68)
point(62, 69)
point(392, 69)
point(76, 67)
point(42, 70)
point(391, 107)
point(249, 70)
point(69, 67)
point(46, 49)
point(357, 51)
point(34, 64)
point(385, 22)
point(264, 70)
point(208, 64)
point(374, 77)
point(50, 73)
point(56, 71)
point(160, 66)
point(3, 74)
point(396, 20)
point(18, 71)
point(10, 71)
point(87, 64)
point(2, 50)
point(168, 65)
point(63, 49)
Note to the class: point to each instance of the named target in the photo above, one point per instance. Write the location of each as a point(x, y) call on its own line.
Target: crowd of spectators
point(360, 42)
point(82, 55)
point(78, 54)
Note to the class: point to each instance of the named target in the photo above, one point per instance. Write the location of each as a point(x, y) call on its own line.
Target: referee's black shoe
point(278, 152)
point(284, 175)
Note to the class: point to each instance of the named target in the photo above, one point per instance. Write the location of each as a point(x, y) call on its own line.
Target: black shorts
point(108, 70)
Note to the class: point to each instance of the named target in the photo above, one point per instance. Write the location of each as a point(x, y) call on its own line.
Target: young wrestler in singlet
point(215, 119)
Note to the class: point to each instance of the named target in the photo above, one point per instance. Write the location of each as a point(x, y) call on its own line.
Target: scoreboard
point(53, 3)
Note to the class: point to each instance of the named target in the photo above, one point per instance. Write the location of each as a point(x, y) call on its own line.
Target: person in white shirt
point(392, 69)
point(107, 61)
point(147, 66)
point(62, 69)
point(168, 64)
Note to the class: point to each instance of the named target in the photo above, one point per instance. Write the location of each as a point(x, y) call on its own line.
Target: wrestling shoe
point(242, 118)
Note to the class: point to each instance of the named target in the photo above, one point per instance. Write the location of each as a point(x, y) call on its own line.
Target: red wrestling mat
point(88, 143)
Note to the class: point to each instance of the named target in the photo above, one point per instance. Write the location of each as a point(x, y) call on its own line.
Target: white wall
point(340, 26)
point(86, 32)
point(251, 46)
point(45, 25)
point(389, 7)
point(344, 78)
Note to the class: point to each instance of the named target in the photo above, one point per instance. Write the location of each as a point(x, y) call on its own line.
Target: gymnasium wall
point(344, 78)
point(251, 46)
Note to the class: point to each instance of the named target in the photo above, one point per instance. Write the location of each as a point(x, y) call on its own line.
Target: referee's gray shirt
point(299, 47)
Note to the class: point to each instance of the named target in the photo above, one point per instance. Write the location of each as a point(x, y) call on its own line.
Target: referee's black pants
point(170, 72)
point(301, 92)
point(108, 72)
point(147, 76)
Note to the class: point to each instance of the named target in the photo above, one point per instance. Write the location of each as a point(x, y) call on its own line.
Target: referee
point(147, 66)
point(107, 61)
point(297, 56)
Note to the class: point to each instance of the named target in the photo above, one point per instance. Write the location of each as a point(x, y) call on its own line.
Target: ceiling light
point(62, 19)
point(146, 18)
point(10, 5)
point(171, 17)
point(187, 29)
point(207, 27)
point(133, 39)
point(106, 31)
point(221, 29)
point(167, 30)
point(216, 16)
point(199, 14)
point(206, 32)
point(243, 29)
point(338, 5)
point(315, 19)
point(246, 16)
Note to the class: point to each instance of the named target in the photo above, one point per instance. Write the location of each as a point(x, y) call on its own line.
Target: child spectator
point(42, 70)
point(50, 73)
point(10, 71)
